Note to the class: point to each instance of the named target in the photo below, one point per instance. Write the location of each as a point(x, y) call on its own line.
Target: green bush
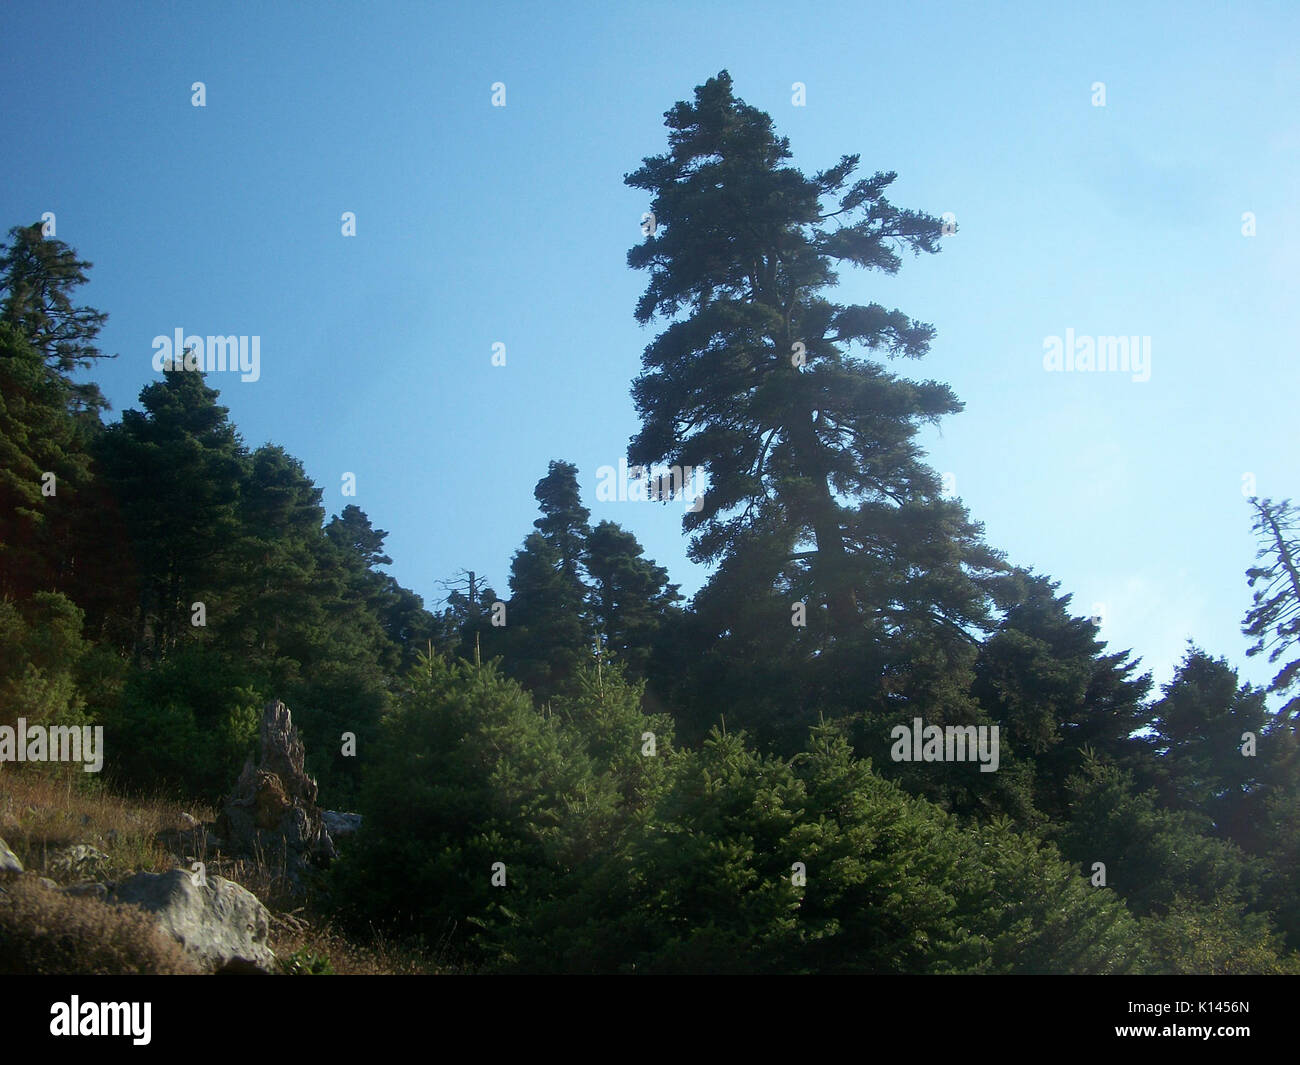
point(305, 963)
point(468, 774)
point(189, 722)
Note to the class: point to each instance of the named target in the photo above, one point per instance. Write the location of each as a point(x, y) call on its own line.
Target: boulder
point(221, 925)
point(9, 862)
point(339, 825)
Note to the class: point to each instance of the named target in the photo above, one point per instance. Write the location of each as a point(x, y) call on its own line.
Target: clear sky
point(478, 225)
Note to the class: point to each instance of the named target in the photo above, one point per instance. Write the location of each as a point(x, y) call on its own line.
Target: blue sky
point(478, 225)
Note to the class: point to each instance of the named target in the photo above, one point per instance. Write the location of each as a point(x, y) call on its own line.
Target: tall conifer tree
point(805, 443)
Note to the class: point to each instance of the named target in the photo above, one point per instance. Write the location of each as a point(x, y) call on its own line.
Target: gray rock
point(80, 857)
point(9, 862)
point(340, 824)
point(221, 925)
point(46, 882)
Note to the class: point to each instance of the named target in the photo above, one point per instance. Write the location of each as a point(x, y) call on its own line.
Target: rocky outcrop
point(272, 812)
point(222, 926)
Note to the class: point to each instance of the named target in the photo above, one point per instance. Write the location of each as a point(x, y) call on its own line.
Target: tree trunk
point(823, 517)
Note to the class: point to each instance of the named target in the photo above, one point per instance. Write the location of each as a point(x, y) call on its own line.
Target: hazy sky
point(478, 225)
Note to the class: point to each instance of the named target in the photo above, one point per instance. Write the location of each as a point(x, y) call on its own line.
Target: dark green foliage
point(40, 649)
point(548, 631)
point(1270, 827)
point(631, 599)
point(38, 277)
point(1043, 677)
point(707, 881)
point(819, 499)
point(305, 963)
point(810, 449)
point(605, 715)
point(1201, 723)
point(564, 519)
point(547, 635)
point(1279, 840)
point(465, 627)
point(44, 467)
point(187, 724)
point(467, 774)
point(176, 469)
point(229, 552)
point(1035, 914)
point(1152, 855)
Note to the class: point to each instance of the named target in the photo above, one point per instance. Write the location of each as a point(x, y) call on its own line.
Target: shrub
point(45, 932)
point(305, 963)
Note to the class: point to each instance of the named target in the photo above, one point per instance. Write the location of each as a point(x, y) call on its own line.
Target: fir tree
point(809, 448)
point(630, 595)
point(1273, 620)
point(176, 469)
point(38, 277)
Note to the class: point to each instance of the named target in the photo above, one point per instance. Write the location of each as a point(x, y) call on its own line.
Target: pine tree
point(352, 532)
point(1044, 677)
point(37, 279)
point(630, 595)
point(44, 467)
point(546, 635)
point(465, 627)
point(40, 647)
point(398, 627)
point(272, 601)
point(176, 470)
point(564, 518)
point(1273, 620)
point(806, 445)
point(465, 774)
point(1200, 723)
point(818, 493)
point(1151, 855)
point(548, 631)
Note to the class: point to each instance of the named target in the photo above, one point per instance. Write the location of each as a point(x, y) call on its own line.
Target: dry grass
point(42, 811)
point(44, 932)
point(291, 934)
